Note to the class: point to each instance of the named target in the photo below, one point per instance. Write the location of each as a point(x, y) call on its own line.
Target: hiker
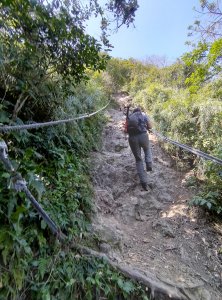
point(138, 123)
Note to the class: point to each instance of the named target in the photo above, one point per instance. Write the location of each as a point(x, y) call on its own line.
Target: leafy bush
point(54, 162)
point(46, 57)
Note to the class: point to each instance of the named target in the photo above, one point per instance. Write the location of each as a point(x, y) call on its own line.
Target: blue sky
point(160, 30)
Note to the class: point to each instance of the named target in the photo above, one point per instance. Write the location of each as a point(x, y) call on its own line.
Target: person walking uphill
point(138, 123)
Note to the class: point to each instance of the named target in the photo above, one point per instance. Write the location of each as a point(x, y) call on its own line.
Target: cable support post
point(18, 183)
point(4, 157)
point(4, 149)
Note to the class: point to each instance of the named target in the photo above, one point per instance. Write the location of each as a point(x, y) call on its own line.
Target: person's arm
point(148, 122)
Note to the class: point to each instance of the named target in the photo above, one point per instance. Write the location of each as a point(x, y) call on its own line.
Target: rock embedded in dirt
point(163, 227)
point(104, 247)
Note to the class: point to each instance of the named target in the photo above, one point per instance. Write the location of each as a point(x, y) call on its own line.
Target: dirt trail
point(154, 231)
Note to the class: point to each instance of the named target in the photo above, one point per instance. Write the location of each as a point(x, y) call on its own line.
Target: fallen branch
point(157, 289)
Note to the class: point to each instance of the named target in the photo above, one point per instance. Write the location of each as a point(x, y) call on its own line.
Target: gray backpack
point(136, 123)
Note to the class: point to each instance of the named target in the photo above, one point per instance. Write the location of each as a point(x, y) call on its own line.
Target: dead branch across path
point(158, 290)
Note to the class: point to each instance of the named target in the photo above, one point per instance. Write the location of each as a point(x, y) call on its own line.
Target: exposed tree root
point(158, 289)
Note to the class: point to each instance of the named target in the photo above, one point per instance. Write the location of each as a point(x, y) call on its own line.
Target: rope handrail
point(6, 128)
point(189, 149)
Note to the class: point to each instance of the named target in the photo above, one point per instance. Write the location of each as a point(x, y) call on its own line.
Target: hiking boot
point(144, 186)
point(149, 166)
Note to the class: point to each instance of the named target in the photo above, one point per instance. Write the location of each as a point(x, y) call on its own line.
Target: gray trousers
point(138, 142)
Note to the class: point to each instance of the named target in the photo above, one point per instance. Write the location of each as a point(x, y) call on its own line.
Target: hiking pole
point(127, 117)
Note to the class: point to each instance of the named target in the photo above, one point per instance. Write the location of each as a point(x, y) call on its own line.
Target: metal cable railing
point(19, 183)
point(6, 128)
point(189, 149)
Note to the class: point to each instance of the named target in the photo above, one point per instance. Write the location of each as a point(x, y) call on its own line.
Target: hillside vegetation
point(51, 69)
point(190, 117)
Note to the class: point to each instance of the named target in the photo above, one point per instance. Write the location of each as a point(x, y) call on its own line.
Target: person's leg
point(145, 144)
point(136, 150)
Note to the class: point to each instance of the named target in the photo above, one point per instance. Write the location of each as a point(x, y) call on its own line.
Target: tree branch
point(157, 288)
